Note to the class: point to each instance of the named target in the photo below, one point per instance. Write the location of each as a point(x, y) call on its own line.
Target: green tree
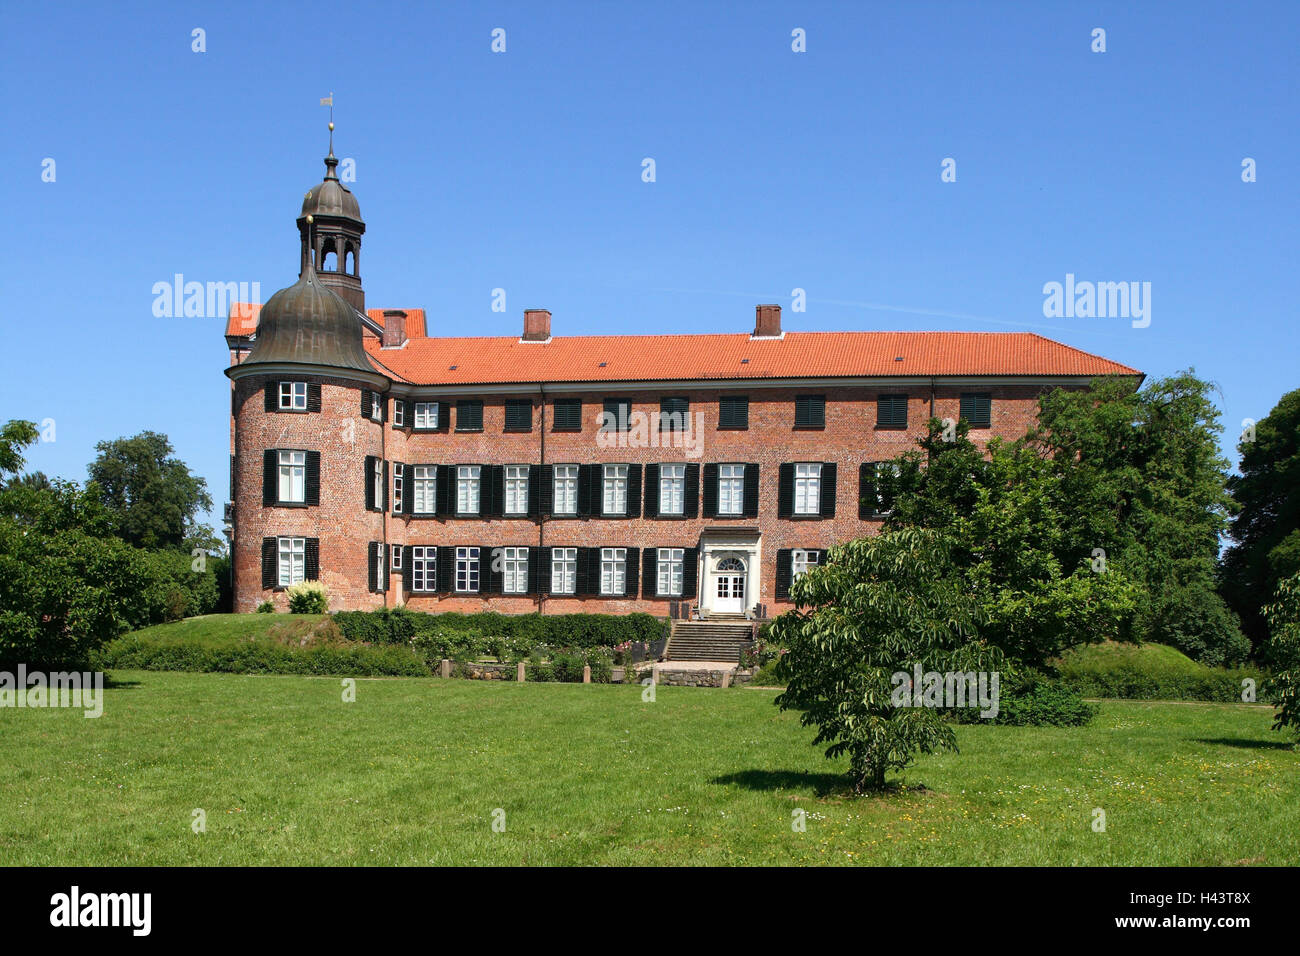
point(879, 607)
point(15, 436)
point(155, 496)
point(1283, 653)
point(1266, 531)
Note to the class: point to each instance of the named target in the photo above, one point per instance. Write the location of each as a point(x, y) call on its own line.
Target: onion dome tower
point(334, 246)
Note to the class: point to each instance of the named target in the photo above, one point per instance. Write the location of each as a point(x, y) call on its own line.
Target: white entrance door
point(729, 585)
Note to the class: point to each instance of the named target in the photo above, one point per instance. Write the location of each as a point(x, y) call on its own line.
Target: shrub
point(308, 597)
point(520, 632)
point(565, 666)
point(1031, 698)
point(260, 657)
point(266, 607)
point(1150, 672)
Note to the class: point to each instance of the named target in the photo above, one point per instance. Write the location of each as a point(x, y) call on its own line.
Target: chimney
point(394, 328)
point(537, 325)
point(767, 322)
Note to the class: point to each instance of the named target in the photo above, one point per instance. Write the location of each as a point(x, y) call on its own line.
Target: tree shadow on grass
point(1248, 744)
point(822, 784)
point(116, 683)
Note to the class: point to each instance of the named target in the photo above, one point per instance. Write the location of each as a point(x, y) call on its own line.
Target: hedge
point(260, 658)
point(399, 626)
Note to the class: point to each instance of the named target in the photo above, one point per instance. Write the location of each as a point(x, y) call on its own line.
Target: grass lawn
point(412, 771)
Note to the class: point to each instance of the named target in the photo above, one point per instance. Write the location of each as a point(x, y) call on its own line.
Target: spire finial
point(330, 160)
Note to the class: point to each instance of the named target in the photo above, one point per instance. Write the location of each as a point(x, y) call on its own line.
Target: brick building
point(612, 473)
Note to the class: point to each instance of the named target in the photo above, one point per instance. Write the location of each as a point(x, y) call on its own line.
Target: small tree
point(879, 607)
point(155, 496)
point(1283, 653)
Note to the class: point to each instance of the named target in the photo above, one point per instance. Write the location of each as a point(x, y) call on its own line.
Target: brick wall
point(344, 438)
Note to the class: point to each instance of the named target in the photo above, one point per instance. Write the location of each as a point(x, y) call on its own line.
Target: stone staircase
point(708, 640)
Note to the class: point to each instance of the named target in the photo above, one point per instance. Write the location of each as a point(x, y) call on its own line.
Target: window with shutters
point(293, 478)
point(467, 570)
point(884, 498)
point(424, 567)
point(292, 561)
point(613, 570)
point(377, 482)
point(399, 413)
point(731, 489)
point(568, 414)
point(426, 416)
point(565, 498)
point(614, 498)
point(807, 488)
point(376, 406)
point(564, 570)
point(398, 481)
point(467, 489)
point(672, 489)
point(802, 560)
point(379, 566)
point(395, 560)
point(618, 411)
point(891, 411)
point(514, 571)
point(469, 415)
point(519, 414)
point(810, 411)
point(977, 409)
point(671, 566)
point(293, 396)
point(674, 414)
point(516, 490)
point(733, 412)
point(423, 486)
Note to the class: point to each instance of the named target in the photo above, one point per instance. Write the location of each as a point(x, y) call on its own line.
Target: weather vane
point(329, 101)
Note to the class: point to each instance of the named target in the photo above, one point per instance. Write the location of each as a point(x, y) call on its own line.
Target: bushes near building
point(1151, 672)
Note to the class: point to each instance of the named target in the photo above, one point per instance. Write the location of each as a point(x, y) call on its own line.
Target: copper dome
point(309, 324)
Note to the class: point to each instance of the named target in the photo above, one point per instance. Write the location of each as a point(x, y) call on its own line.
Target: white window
point(564, 570)
point(566, 490)
point(672, 489)
point(515, 571)
point(731, 489)
point(293, 477)
point(467, 570)
point(885, 502)
point(293, 561)
point(423, 486)
point(293, 396)
point(807, 488)
point(516, 489)
point(424, 563)
point(377, 481)
point(802, 561)
point(467, 489)
point(399, 412)
point(426, 414)
point(376, 406)
point(398, 480)
point(379, 566)
point(671, 562)
point(614, 501)
point(613, 570)
point(395, 562)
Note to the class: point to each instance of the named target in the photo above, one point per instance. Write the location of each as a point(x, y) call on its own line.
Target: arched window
point(329, 257)
point(731, 566)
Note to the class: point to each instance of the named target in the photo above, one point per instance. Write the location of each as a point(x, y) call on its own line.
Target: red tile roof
point(619, 358)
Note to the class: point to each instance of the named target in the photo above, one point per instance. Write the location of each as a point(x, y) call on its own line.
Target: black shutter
point(383, 486)
point(491, 572)
point(650, 571)
point(408, 413)
point(783, 574)
point(593, 571)
point(546, 489)
point(311, 559)
point(383, 409)
point(632, 573)
point(445, 565)
point(584, 489)
point(690, 572)
point(691, 501)
point(785, 492)
point(313, 397)
point(750, 505)
point(270, 494)
point(976, 408)
point(866, 490)
point(710, 491)
point(444, 479)
point(534, 490)
point(534, 570)
point(634, 491)
point(369, 466)
point(372, 564)
point(652, 491)
point(312, 489)
point(827, 490)
point(543, 569)
point(272, 396)
point(444, 417)
point(365, 403)
point(270, 555)
point(498, 483)
point(408, 570)
point(580, 572)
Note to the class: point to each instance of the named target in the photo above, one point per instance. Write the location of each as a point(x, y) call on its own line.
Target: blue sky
point(521, 170)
